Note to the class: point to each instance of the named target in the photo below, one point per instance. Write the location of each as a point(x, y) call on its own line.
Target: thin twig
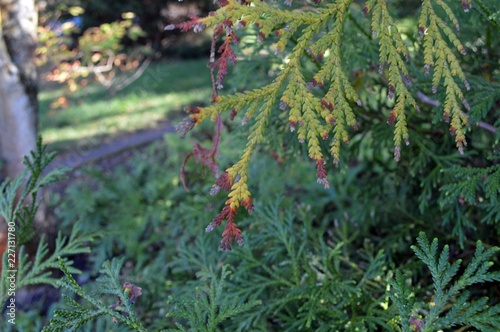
point(428, 100)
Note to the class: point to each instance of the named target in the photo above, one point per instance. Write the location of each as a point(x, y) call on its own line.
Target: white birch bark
point(18, 83)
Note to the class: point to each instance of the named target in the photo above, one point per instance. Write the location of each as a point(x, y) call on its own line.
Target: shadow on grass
point(163, 89)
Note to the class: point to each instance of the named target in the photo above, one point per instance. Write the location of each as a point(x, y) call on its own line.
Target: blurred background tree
point(18, 83)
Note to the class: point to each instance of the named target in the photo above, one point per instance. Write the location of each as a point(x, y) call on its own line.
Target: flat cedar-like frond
point(205, 312)
point(322, 107)
point(77, 315)
point(451, 305)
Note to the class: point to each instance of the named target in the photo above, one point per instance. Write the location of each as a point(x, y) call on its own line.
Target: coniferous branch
point(109, 283)
point(15, 208)
point(474, 187)
point(493, 18)
point(392, 50)
point(14, 203)
point(39, 270)
point(450, 304)
point(208, 310)
point(438, 55)
point(318, 108)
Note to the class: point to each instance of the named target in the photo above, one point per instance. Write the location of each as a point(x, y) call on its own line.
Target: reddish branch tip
point(231, 230)
point(453, 131)
point(321, 174)
point(224, 181)
point(240, 25)
point(392, 118)
point(227, 56)
point(328, 105)
point(446, 116)
point(233, 114)
point(248, 204)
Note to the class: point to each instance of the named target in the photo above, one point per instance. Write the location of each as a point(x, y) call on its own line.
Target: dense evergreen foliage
point(351, 253)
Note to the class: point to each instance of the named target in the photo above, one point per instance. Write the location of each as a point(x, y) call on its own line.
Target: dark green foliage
point(313, 260)
point(478, 188)
point(22, 209)
point(210, 307)
point(107, 284)
point(316, 258)
point(38, 270)
point(21, 212)
point(451, 305)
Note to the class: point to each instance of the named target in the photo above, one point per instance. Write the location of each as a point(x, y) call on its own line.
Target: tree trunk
point(18, 83)
point(18, 89)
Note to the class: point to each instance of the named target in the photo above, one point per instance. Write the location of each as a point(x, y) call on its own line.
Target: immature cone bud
point(244, 121)
point(466, 104)
point(460, 146)
point(421, 30)
point(446, 117)
point(427, 67)
point(214, 190)
point(397, 153)
point(240, 25)
point(467, 85)
point(391, 92)
point(261, 37)
point(224, 246)
point(210, 227)
point(184, 126)
point(282, 105)
point(199, 27)
point(466, 5)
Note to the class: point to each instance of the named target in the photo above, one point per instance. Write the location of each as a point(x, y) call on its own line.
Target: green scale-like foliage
point(108, 284)
point(451, 305)
point(20, 211)
point(324, 106)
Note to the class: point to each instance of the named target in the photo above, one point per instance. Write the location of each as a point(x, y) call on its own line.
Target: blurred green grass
point(158, 95)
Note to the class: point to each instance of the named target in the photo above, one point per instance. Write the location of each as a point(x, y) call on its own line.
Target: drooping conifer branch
point(326, 113)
